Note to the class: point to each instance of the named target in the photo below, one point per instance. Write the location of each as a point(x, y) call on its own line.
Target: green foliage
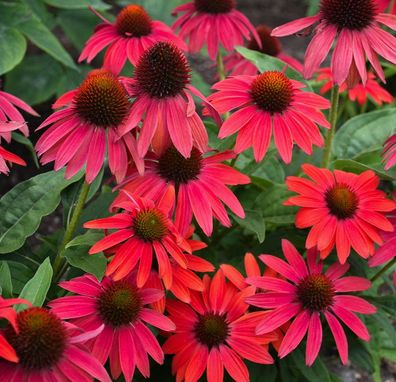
point(12, 48)
point(5, 280)
point(253, 222)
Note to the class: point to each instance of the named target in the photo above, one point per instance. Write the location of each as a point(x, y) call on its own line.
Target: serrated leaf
point(37, 288)
point(94, 264)
point(12, 48)
point(5, 280)
point(264, 63)
point(29, 202)
point(270, 203)
point(363, 133)
point(253, 222)
point(45, 71)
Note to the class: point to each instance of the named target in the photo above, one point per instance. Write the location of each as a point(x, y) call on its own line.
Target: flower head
point(344, 210)
point(127, 38)
point(235, 64)
point(270, 102)
point(90, 119)
point(7, 312)
point(213, 23)
point(163, 101)
point(355, 27)
point(360, 93)
point(307, 294)
point(11, 120)
point(214, 332)
point(199, 184)
point(122, 309)
point(50, 350)
point(141, 228)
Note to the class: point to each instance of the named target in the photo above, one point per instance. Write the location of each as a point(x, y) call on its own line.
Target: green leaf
point(87, 239)
point(359, 354)
point(264, 63)
point(30, 201)
point(72, 79)
point(37, 288)
point(35, 80)
point(317, 372)
point(78, 4)
point(5, 280)
point(253, 222)
point(20, 275)
point(270, 203)
point(12, 48)
point(357, 168)
point(94, 264)
point(363, 133)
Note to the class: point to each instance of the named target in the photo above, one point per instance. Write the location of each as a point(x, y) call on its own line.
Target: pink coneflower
point(50, 350)
point(178, 280)
point(355, 26)
point(344, 210)
point(384, 6)
point(141, 228)
point(270, 102)
point(122, 309)
point(387, 251)
point(213, 23)
point(360, 93)
point(310, 294)
point(200, 183)
point(215, 332)
point(235, 64)
point(11, 120)
point(163, 100)
point(128, 37)
point(389, 153)
point(7, 312)
point(90, 119)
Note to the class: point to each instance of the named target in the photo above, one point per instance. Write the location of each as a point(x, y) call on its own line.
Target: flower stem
point(391, 5)
point(220, 66)
point(59, 263)
point(335, 97)
point(383, 270)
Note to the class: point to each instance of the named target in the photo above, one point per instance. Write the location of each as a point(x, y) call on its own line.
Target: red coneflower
point(384, 6)
point(266, 103)
point(7, 312)
point(215, 332)
point(50, 350)
point(360, 93)
point(389, 153)
point(200, 183)
point(11, 120)
point(163, 101)
point(355, 25)
point(129, 36)
point(122, 309)
point(213, 23)
point(90, 119)
point(344, 210)
point(143, 227)
point(235, 64)
point(310, 294)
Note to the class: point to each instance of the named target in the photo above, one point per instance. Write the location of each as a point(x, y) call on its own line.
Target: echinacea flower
point(354, 26)
point(214, 332)
point(127, 38)
point(199, 184)
point(50, 350)
point(307, 294)
point(344, 210)
point(387, 251)
point(389, 153)
point(235, 64)
point(182, 281)
point(213, 23)
point(266, 103)
point(11, 120)
point(122, 309)
point(89, 121)
point(384, 6)
point(163, 101)
point(7, 312)
point(371, 90)
point(141, 228)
